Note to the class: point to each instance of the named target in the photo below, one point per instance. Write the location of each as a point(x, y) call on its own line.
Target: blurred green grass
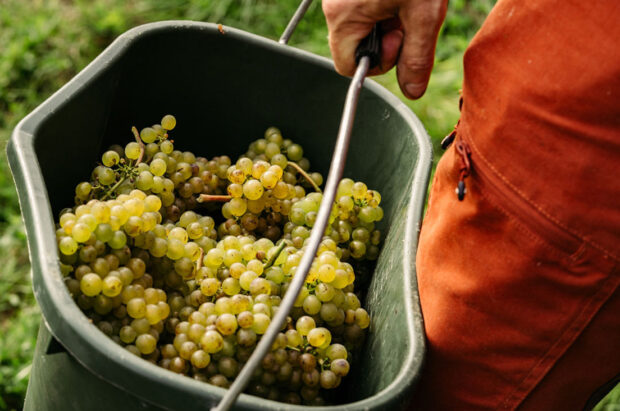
point(43, 43)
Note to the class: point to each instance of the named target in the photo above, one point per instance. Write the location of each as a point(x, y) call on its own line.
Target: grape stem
point(275, 255)
point(113, 188)
point(206, 198)
point(305, 176)
point(134, 130)
point(199, 262)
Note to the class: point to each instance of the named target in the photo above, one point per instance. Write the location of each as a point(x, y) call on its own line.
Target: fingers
point(390, 48)
point(421, 23)
point(410, 30)
point(348, 22)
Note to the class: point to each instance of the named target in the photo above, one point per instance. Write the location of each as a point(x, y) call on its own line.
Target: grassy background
point(43, 43)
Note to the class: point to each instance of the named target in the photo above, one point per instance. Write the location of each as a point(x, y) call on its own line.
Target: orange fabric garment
point(519, 281)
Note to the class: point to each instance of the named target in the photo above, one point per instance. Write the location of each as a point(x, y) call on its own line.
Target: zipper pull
point(465, 153)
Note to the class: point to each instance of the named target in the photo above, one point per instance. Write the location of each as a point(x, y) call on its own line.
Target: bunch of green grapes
point(288, 155)
point(352, 220)
point(193, 287)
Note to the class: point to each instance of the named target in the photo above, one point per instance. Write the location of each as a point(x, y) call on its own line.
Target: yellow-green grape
point(269, 179)
point(153, 314)
point(318, 336)
point(187, 218)
point(80, 232)
point(245, 164)
point(211, 341)
point(144, 181)
point(245, 319)
point(209, 286)
point(305, 324)
point(294, 152)
point(235, 190)
point(259, 168)
point(358, 190)
point(327, 273)
point(159, 248)
point(260, 286)
point(253, 189)
point(248, 251)
point(118, 240)
point(328, 379)
point(277, 170)
point(136, 308)
point(230, 286)
point(138, 194)
point(192, 251)
point(112, 286)
point(232, 256)
point(133, 226)
point(104, 232)
point(82, 190)
point(255, 266)
point(346, 203)
point(101, 212)
point(261, 323)
point(178, 233)
point(235, 175)
point(148, 135)
point(345, 187)
point(132, 151)
point(357, 248)
point(91, 284)
point(281, 190)
point(152, 203)
point(237, 206)
point(340, 367)
point(120, 212)
point(66, 218)
point(214, 257)
point(110, 158)
point(89, 220)
point(362, 319)
point(336, 351)
point(158, 167)
point(294, 339)
point(166, 147)
point(106, 176)
point(194, 230)
point(272, 149)
point(312, 305)
point(236, 269)
point(168, 122)
point(246, 279)
point(146, 343)
point(226, 324)
point(135, 206)
point(200, 359)
point(176, 249)
point(273, 131)
point(127, 334)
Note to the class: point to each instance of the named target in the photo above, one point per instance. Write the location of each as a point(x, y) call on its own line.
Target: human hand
point(410, 30)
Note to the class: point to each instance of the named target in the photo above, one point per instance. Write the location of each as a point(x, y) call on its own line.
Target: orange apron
point(518, 281)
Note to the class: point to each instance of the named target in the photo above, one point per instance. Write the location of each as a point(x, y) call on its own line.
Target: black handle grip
point(370, 46)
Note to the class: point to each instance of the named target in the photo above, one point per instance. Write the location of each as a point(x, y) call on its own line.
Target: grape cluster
point(184, 261)
point(352, 220)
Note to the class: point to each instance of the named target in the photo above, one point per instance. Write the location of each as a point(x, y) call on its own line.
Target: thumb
point(421, 22)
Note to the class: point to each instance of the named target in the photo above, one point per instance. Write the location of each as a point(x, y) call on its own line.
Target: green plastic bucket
point(224, 88)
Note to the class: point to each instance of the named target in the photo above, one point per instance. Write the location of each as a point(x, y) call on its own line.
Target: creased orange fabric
point(518, 282)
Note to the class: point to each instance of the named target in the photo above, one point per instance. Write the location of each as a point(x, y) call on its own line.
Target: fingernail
point(414, 90)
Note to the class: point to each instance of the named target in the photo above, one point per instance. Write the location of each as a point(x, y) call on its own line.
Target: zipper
point(528, 214)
